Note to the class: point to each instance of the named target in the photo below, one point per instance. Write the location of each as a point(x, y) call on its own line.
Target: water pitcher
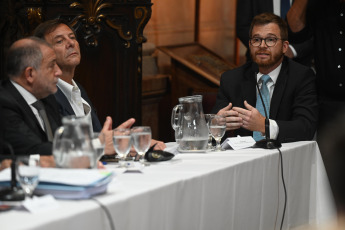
point(72, 146)
point(192, 124)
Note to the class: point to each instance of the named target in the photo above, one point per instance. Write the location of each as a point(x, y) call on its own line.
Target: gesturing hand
point(251, 117)
point(233, 121)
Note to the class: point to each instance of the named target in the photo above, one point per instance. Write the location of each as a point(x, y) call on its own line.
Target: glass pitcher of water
point(194, 131)
point(72, 145)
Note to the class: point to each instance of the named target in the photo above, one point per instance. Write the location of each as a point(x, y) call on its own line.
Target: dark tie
point(266, 98)
point(284, 8)
point(41, 110)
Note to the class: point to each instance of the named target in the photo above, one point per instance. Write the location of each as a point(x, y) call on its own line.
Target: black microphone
point(13, 193)
point(264, 143)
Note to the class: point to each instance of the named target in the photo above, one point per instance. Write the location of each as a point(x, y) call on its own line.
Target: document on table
point(67, 183)
point(238, 142)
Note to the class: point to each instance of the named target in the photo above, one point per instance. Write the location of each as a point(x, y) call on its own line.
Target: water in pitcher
point(191, 144)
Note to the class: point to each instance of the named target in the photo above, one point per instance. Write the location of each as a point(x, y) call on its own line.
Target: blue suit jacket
point(65, 107)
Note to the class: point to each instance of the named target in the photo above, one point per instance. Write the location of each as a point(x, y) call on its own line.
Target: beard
point(271, 61)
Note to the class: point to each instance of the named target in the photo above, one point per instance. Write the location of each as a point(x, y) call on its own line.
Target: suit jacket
point(293, 105)
point(65, 107)
point(21, 127)
point(248, 9)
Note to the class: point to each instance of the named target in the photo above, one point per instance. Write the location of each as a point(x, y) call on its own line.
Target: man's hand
point(108, 132)
point(127, 124)
point(5, 164)
point(252, 118)
point(233, 120)
point(47, 161)
point(159, 145)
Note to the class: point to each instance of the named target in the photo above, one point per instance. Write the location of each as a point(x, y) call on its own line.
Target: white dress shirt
point(30, 99)
point(274, 128)
point(79, 105)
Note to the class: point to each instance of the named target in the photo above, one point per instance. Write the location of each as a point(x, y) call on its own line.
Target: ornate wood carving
point(91, 19)
point(110, 34)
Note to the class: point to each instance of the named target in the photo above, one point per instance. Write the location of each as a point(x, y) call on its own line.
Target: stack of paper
point(68, 183)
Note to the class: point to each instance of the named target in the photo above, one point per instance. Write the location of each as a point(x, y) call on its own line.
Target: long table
point(215, 190)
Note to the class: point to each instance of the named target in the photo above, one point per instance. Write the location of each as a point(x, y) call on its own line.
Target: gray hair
point(19, 57)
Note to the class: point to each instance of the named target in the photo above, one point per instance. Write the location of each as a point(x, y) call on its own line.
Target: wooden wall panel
point(110, 34)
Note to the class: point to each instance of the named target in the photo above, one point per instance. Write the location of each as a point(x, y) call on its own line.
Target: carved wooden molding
point(141, 13)
point(91, 19)
point(34, 15)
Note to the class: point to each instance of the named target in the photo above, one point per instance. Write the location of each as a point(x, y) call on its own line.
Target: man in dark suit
point(71, 96)
point(292, 99)
point(33, 74)
point(246, 10)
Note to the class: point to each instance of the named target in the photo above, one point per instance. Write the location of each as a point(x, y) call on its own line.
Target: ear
point(29, 74)
point(285, 46)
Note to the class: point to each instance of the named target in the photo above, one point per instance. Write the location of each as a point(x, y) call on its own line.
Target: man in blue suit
point(71, 96)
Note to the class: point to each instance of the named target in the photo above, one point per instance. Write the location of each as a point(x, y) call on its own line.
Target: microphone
point(13, 193)
point(266, 143)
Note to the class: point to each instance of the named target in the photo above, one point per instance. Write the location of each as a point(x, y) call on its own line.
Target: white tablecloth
point(215, 190)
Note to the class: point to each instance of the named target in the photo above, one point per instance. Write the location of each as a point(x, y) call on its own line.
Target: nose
point(58, 71)
point(70, 42)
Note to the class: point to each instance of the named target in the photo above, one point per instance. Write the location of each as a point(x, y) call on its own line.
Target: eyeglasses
point(269, 41)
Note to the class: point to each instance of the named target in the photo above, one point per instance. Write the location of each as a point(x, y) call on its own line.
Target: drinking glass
point(122, 141)
point(141, 139)
point(217, 128)
point(98, 142)
point(208, 118)
point(176, 125)
point(28, 173)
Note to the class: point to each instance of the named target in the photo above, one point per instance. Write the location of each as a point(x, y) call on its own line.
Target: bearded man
point(288, 88)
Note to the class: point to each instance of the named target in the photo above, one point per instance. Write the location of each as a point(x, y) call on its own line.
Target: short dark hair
point(49, 26)
point(19, 57)
point(266, 18)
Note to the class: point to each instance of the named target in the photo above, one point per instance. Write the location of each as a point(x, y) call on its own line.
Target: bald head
point(31, 63)
point(24, 53)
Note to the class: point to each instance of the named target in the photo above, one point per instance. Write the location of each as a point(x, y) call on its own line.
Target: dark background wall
point(110, 34)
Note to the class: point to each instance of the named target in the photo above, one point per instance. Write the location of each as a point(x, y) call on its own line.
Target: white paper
point(40, 204)
point(134, 167)
point(75, 177)
point(239, 142)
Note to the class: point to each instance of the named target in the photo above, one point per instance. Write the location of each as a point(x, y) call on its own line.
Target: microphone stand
point(266, 143)
point(13, 193)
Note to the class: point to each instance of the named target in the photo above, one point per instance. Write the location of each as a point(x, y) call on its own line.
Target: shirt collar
point(67, 88)
point(273, 74)
point(28, 97)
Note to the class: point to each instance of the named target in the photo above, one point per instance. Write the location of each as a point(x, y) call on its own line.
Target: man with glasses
point(300, 51)
point(288, 88)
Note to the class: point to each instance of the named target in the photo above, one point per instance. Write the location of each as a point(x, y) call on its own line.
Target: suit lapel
point(279, 89)
point(248, 88)
point(32, 121)
point(65, 106)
